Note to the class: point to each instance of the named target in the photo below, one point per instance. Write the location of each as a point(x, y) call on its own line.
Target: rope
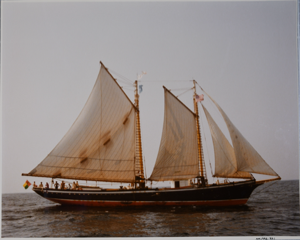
point(214, 105)
point(145, 172)
point(124, 78)
point(165, 81)
point(184, 92)
point(124, 82)
point(180, 89)
point(128, 88)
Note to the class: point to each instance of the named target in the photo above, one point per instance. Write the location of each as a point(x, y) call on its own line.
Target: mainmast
point(139, 168)
point(202, 170)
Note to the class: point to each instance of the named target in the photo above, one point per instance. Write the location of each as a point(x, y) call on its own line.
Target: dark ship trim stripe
point(100, 203)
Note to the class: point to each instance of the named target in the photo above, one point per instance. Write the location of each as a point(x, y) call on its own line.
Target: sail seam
point(105, 159)
point(213, 132)
point(88, 169)
point(177, 166)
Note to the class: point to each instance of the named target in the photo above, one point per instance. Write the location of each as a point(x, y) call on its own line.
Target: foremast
point(139, 167)
point(202, 169)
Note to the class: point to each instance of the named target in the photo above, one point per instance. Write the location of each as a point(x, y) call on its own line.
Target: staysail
point(246, 157)
point(100, 145)
point(225, 162)
point(177, 158)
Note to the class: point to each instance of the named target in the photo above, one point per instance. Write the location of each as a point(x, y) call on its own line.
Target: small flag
point(141, 88)
point(26, 184)
point(199, 98)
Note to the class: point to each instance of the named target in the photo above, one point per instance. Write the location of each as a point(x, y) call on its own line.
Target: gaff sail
point(177, 158)
point(100, 145)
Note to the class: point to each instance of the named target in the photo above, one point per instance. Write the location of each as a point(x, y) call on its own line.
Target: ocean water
point(272, 210)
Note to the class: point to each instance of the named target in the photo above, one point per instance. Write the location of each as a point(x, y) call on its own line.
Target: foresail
point(225, 162)
point(178, 155)
point(100, 145)
point(248, 159)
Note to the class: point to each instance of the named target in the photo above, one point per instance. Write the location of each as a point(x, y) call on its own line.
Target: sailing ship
point(104, 145)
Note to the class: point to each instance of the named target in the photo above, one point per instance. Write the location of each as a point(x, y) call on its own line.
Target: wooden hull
point(213, 195)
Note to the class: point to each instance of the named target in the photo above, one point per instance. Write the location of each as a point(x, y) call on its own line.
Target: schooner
point(104, 145)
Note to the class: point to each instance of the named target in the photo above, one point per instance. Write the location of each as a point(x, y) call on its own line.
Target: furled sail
point(247, 158)
point(178, 152)
point(100, 145)
point(225, 162)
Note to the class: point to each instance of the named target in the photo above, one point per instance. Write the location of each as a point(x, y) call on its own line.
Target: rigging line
point(145, 169)
point(89, 158)
point(87, 169)
point(165, 81)
point(184, 92)
point(190, 165)
point(179, 89)
point(125, 78)
point(199, 85)
point(124, 82)
point(206, 147)
point(214, 106)
point(127, 88)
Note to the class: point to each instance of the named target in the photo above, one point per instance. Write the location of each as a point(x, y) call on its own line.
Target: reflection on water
point(266, 213)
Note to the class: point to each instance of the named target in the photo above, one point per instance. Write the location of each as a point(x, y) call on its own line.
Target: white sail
point(178, 155)
point(225, 161)
point(247, 158)
point(100, 145)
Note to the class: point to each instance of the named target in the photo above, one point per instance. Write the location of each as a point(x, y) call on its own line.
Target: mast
point(202, 170)
point(139, 159)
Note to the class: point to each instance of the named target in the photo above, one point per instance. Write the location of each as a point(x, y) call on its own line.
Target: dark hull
point(213, 195)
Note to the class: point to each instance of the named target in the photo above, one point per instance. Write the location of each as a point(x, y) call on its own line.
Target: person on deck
point(47, 185)
point(56, 185)
point(77, 185)
point(34, 185)
point(62, 186)
point(74, 186)
point(41, 185)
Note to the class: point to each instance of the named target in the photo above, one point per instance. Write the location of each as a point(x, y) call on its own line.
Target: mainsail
point(178, 152)
point(245, 158)
point(100, 145)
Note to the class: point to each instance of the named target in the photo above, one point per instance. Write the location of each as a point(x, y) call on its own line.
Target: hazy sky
point(244, 54)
